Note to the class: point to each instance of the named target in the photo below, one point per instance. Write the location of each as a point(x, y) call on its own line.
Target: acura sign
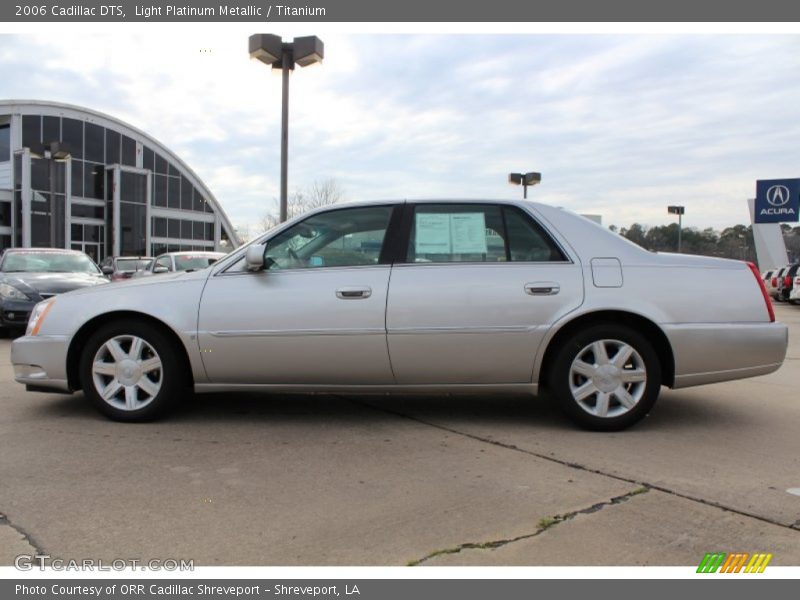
point(777, 200)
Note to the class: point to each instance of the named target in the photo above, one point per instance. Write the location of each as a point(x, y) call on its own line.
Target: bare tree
point(319, 194)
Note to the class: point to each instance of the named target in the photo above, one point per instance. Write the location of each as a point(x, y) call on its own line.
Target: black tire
point(562, 381)
point(171, 376)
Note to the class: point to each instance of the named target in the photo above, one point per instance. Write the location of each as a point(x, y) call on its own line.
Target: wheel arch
point(87, 329)
point(650, 329)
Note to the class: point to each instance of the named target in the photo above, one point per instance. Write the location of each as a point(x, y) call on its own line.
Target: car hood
point(135, 282)
point(51, 283)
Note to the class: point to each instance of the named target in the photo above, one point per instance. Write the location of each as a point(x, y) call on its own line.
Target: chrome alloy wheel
point(127, 372)
point(607, 378)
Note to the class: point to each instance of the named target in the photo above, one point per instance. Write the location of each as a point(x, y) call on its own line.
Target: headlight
point(37, 316)
point(12, 293)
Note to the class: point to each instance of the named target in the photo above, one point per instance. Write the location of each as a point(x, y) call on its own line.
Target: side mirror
point(160, 269)
point(254, 257)
point(107, 270)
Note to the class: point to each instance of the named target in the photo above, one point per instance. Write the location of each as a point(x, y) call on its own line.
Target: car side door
point(479, 287)
point(314, 315)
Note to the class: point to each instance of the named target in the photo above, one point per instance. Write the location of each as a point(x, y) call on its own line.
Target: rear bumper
point(713, 352)
point(40, 362)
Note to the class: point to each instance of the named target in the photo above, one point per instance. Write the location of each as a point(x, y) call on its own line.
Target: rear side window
point(528, 242)
point(477, 233)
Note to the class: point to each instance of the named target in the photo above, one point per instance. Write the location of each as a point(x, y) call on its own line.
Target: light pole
point(274, 52)
point(524, 179)
point(678, 210)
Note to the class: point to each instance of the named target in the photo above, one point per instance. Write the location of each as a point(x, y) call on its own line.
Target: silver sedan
point(423, 296)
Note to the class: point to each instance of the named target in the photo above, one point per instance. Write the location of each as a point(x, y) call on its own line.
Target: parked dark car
point(118, 268)
point(30, 275)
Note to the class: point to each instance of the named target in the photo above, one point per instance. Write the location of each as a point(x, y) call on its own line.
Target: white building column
point(26, 197)
point(116, 227)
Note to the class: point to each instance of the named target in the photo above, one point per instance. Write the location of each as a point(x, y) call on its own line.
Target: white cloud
point(619, 125)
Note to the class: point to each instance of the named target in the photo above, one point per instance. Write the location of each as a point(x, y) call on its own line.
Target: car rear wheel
point(131, 371)
point(606, 378)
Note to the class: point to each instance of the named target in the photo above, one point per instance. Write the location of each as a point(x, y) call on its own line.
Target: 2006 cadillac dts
point(433, 296)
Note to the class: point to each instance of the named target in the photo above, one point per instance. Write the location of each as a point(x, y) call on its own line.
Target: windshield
point(133, 264)
point(194, 262)
point(47, 262)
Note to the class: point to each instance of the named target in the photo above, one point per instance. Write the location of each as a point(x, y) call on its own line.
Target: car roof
point(379, 201)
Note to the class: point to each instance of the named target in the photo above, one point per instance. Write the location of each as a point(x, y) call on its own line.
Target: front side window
point(338, 238)
point(477, 233)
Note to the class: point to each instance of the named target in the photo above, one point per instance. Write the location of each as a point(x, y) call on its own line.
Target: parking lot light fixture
point(274, 52)
point(525, 179)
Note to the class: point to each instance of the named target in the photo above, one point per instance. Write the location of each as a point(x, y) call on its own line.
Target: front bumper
point(15, 313)
point(713, 352)
point(40, 362)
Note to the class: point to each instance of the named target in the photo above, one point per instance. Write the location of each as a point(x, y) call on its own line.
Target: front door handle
point(353, 293)
point(542, 288)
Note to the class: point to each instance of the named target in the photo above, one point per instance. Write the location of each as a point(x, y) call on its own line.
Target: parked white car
point(770, 278)
point(426, 296)
point(794, 295)
point(176, 262)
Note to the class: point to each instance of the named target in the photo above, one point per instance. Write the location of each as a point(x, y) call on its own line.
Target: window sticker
point(433, 233)
point(468, 233)
point(460, 233)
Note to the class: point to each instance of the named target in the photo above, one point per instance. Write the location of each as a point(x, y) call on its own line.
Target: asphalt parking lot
point(245, 479)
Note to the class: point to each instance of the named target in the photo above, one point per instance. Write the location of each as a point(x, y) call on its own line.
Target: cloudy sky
point(620, 125)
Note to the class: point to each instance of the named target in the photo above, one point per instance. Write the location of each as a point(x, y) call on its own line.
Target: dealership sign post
point(777, 200)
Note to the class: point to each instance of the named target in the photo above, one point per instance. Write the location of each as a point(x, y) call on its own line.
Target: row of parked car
point(783, 284)
point(31, 275)
point(117, 268)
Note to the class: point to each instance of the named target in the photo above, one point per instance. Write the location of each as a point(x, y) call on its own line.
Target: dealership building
point(71, 177)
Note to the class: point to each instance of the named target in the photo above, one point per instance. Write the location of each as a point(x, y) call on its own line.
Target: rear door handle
point(542, 288)
point(353, 293)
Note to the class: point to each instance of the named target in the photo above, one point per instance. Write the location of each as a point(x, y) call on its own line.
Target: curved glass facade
point(76, 179)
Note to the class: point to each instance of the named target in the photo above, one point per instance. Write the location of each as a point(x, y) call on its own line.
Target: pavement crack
point(4, 520)
point(543, 525)
point(578, 466)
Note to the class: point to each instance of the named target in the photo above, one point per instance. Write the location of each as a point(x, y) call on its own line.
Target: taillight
point(757, 275)
point(774, 282)
point(787, 281)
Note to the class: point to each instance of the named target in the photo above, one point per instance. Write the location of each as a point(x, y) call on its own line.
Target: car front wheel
point(131, 371)
point(606, 378)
